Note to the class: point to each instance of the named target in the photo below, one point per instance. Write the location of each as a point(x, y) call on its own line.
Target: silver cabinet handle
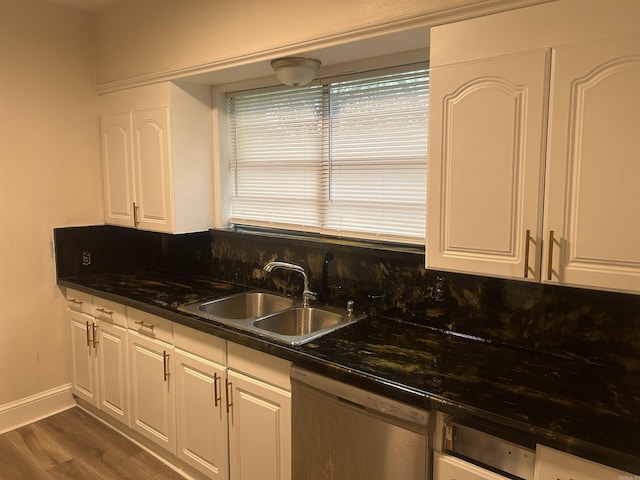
point(142, 324)
point(88, 337)
point(135, 215)
point(75, 303)
point(217, 397)
point(550, 263)
point(229, 388)
point(104, 311)
point(527, 242)
point(94, 328)
point(165, 357)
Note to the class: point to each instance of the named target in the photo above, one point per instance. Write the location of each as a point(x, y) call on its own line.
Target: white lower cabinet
point(448, 467)
point(553, 464)
point(99, 354)
point(152, 390)
point(83, 357)
point(259, 429)
point(221, 408)
point(201, 411)
point(222, 411)
point(259, 415)
point(113, 385)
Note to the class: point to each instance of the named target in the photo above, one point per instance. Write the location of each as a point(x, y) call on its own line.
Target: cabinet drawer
point(108, 311)
point(150, 325)
point(259, 365)
point(79, 301)
point(199, 343)
point(556, 465)
point(447, 467)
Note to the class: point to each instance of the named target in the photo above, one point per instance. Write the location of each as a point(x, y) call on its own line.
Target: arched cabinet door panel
point(593, 167)
point(152, 165)
point(486, 165)
point(118, 172)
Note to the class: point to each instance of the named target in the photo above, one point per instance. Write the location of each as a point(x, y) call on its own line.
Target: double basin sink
point(274, 316)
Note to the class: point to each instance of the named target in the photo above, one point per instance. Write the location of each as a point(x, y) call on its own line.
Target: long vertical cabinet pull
point(165, 357)
point(229, 386)
point(94, 329)
point(550, 262)
point(217, 396)
point(88, 336)
point(135, 215)
point(527, 241)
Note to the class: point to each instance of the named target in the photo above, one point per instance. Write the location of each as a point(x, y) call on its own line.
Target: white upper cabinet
point(486, 162)
point(593, 168)
point(534, 154)
point(118, 169)
point(156, 145)
point(152, 168)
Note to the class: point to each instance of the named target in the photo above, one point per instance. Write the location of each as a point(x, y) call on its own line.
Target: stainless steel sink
point(245, 305)
point(300, 321)
point(273, 316)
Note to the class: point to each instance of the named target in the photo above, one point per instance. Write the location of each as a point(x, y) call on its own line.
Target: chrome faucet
point(307, 295)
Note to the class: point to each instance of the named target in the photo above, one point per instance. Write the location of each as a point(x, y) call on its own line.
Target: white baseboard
point(35, 407)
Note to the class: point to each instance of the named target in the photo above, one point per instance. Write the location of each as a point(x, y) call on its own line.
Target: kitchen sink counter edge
point(588, 410)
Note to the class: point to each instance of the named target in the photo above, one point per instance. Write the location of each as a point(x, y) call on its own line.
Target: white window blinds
point(345, 158)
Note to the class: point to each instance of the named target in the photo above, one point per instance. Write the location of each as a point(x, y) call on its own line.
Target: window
point(346, 157)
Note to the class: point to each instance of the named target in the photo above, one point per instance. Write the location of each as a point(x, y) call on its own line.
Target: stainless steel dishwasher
point(341, 432)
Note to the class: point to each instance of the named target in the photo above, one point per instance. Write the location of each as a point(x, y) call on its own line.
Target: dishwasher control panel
point(359, 397)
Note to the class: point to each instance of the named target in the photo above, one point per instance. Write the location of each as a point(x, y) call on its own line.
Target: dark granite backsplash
point(599, 327)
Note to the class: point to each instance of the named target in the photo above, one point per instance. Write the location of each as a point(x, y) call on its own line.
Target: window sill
point(382, 249)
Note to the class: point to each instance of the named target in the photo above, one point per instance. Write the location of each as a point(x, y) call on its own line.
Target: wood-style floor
point(74, 445)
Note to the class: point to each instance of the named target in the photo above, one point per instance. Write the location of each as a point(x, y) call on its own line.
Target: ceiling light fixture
point(295, 71)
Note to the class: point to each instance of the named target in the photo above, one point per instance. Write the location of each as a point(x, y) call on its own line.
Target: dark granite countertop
point(586, 409)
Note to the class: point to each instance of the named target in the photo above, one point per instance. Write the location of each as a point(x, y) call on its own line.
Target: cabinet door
point(554, 465)
point(113, 368)
point(83, 357)
point(151, 154)
point(152, 391)
point(486, 165)
point(201, 414)
point(118, 169)
point(593, 206)
point(447, 467)
point(259, 430)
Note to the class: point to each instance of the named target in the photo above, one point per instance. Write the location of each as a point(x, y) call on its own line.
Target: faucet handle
point(307, 296)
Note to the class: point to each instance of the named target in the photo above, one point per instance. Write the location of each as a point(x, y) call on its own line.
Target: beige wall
point(49, 176)
point(143, 37)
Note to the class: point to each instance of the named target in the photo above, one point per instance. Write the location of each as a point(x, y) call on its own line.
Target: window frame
point(359, 69)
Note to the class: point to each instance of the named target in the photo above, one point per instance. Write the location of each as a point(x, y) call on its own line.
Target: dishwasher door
point(345, 433)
